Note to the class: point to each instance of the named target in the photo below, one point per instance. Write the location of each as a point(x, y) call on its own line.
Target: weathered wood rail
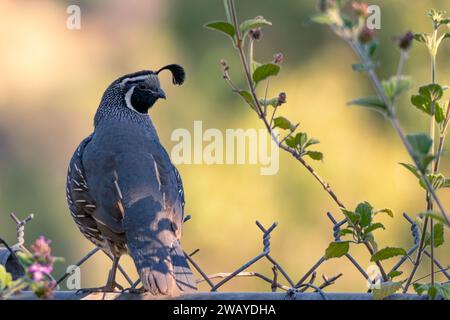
point(72, 295)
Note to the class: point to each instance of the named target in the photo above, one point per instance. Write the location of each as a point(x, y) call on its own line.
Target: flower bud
point(366, 35)
point(405, 41)
point(360, 8)
point(224, 64)
point(278, 58)
point(255, 34)
point(281, 98)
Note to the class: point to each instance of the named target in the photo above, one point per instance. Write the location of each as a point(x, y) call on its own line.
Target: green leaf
point(25, 259)
point(337, 249)
point(433, 92)
point(396, 86)
point(301, 139)
point(370, 102)
point(421, 37)
point(5, 278)
point(443, 289)
point(321, 19)
point(361, 67)
point(352, 217)
point(394, 274)
point(247, 98)
point(311, 142)
point(282, 123)
point(387, 253)
point(374, 227)
point(412, 169)
point(386, 289)
point(222, 26)
point(269, 102)
point(315, 155)
point(247, 25)
point(439, 113)
point(421, 145)
point(344, 232)
point(264, 71)
point(434, 215)
point(427, 100)
point(438, 234)
point(421, 288)
point(364, 210)
point(389, 212)
point(446, 183)
point(421, 103)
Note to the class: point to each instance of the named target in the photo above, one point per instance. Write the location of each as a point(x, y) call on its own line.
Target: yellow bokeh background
point(51, 81)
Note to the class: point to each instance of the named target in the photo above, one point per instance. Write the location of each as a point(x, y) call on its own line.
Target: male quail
point(124, 193)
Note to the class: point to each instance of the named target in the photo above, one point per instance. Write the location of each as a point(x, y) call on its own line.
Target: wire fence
point(279, 280)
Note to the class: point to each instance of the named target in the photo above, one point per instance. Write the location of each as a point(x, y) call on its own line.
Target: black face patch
point(142, 99)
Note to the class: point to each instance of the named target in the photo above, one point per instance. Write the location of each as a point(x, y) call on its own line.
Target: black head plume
point(178, 74)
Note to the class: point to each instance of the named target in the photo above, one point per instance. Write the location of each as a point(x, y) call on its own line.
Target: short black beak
point(160, 94)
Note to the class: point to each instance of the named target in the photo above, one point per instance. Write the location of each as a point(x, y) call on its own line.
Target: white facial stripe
point(128, 99)
point(133, 79)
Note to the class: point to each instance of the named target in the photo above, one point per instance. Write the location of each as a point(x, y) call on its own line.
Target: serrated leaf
point(311, 142)
point(386, 289)
point(282, 123)
point(290, 141)
point(336, 250)
point(344, 232)
point(395, 86)
point(301, 139)
point(374, 227)
point(432, 92)
point(315, 155)
point(351, 216)
point(387, 253)
point(394, 274)
point(222, 26)
point(370, 102)
point(443, 289)
point(389, 212)
point(421, 145)
point(264, 71)
point(247, 98)
point(247, 25)
point(364, 210)
point(421, 103)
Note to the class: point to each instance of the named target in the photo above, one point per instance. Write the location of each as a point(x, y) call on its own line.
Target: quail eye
point(141, 86)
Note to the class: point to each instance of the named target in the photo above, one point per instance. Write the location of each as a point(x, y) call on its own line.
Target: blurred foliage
point(52, 80)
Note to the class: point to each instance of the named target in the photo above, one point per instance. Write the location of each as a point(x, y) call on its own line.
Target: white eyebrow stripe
point(133, 79)
point(128, 99)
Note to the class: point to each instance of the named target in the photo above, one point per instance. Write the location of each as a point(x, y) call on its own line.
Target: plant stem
point(396, 124)
point(293, 152)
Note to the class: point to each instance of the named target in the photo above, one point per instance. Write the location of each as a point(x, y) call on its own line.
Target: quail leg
point(111, 284)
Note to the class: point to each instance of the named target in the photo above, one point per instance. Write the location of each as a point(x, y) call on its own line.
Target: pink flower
point(41, 247)
point(38, 271)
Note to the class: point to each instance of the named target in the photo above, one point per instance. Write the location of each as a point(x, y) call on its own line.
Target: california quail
point(124, 193)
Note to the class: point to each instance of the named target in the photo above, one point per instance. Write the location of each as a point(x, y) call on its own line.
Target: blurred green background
point(51, 81)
